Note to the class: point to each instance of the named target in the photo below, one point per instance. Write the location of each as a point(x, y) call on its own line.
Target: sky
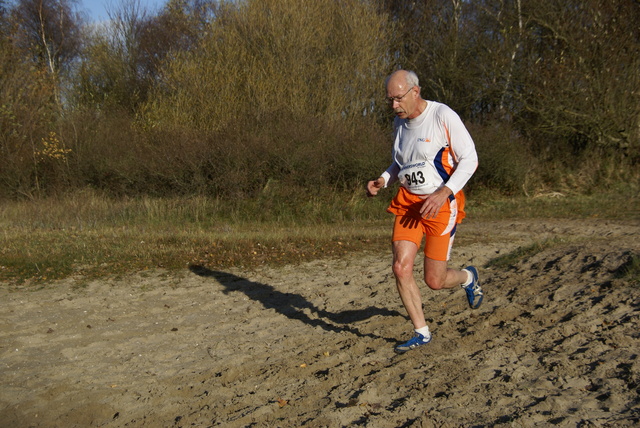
point(97, 9)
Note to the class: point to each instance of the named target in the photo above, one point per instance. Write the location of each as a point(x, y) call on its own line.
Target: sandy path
point(555, 343)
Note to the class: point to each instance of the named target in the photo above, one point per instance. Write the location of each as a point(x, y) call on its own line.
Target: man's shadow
point(293, 305)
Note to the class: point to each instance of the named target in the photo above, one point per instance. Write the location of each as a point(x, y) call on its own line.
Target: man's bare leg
point(404, 255)
point(438, 276)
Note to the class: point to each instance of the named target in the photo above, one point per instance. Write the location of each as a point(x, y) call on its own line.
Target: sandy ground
point(556, 342)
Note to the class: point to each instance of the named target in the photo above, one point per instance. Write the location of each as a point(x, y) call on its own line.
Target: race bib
point(414, 177)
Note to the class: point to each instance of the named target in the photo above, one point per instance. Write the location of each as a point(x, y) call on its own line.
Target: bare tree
point(49, 31)
point(122, 58)
point(177, 28)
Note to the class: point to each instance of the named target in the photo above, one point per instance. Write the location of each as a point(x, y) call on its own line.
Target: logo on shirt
point(424, 140)
point(413, 165)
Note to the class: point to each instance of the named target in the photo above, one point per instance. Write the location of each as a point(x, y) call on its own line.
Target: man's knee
point(402, 269)
point(434, 282)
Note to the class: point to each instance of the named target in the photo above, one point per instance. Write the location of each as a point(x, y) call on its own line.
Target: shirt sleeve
point(391, 174)
point(462, 147)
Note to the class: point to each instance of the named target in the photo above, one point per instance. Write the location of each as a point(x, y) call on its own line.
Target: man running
point(433, 158)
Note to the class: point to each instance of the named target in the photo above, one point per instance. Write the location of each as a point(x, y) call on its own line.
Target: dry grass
point(92, 235)
point(622, 202)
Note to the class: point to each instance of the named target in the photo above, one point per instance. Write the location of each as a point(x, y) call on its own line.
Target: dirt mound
point(556, 342)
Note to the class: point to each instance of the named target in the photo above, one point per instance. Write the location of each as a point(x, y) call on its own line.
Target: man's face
point(402, 99)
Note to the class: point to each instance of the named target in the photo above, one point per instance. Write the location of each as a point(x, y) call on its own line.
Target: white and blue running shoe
point(474, 291)
point(414, 342)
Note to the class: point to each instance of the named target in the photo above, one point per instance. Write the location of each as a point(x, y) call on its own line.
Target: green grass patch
point(630, 270)
point(521, 253)
point(49, 255)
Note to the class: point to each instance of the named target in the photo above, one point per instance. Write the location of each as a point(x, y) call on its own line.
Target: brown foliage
point(240, 98)
point(27, 116)
point(263, 57)
point(580, 78)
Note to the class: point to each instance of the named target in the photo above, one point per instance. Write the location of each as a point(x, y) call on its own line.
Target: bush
point(505, 164)
point(302, 154)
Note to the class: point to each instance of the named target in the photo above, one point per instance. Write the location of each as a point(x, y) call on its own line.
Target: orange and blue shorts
point(439, 232)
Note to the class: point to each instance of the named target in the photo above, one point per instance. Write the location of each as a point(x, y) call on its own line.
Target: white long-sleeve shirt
point(431, 151)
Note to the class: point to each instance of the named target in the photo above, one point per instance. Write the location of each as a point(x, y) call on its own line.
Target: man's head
point(403, 94)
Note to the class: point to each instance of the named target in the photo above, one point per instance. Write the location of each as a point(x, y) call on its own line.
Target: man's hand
point(435, 201)
point(374, 186)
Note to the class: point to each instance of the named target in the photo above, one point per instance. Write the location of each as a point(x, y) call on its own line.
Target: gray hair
point(412, 79)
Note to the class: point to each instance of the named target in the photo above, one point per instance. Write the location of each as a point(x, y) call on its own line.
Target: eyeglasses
point(390, 100)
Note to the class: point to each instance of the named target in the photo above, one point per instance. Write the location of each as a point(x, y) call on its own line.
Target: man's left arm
point(463, 149)
point(464, 152)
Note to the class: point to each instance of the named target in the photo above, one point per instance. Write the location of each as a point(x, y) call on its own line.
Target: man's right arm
point(386, 178)
point(374, 186)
